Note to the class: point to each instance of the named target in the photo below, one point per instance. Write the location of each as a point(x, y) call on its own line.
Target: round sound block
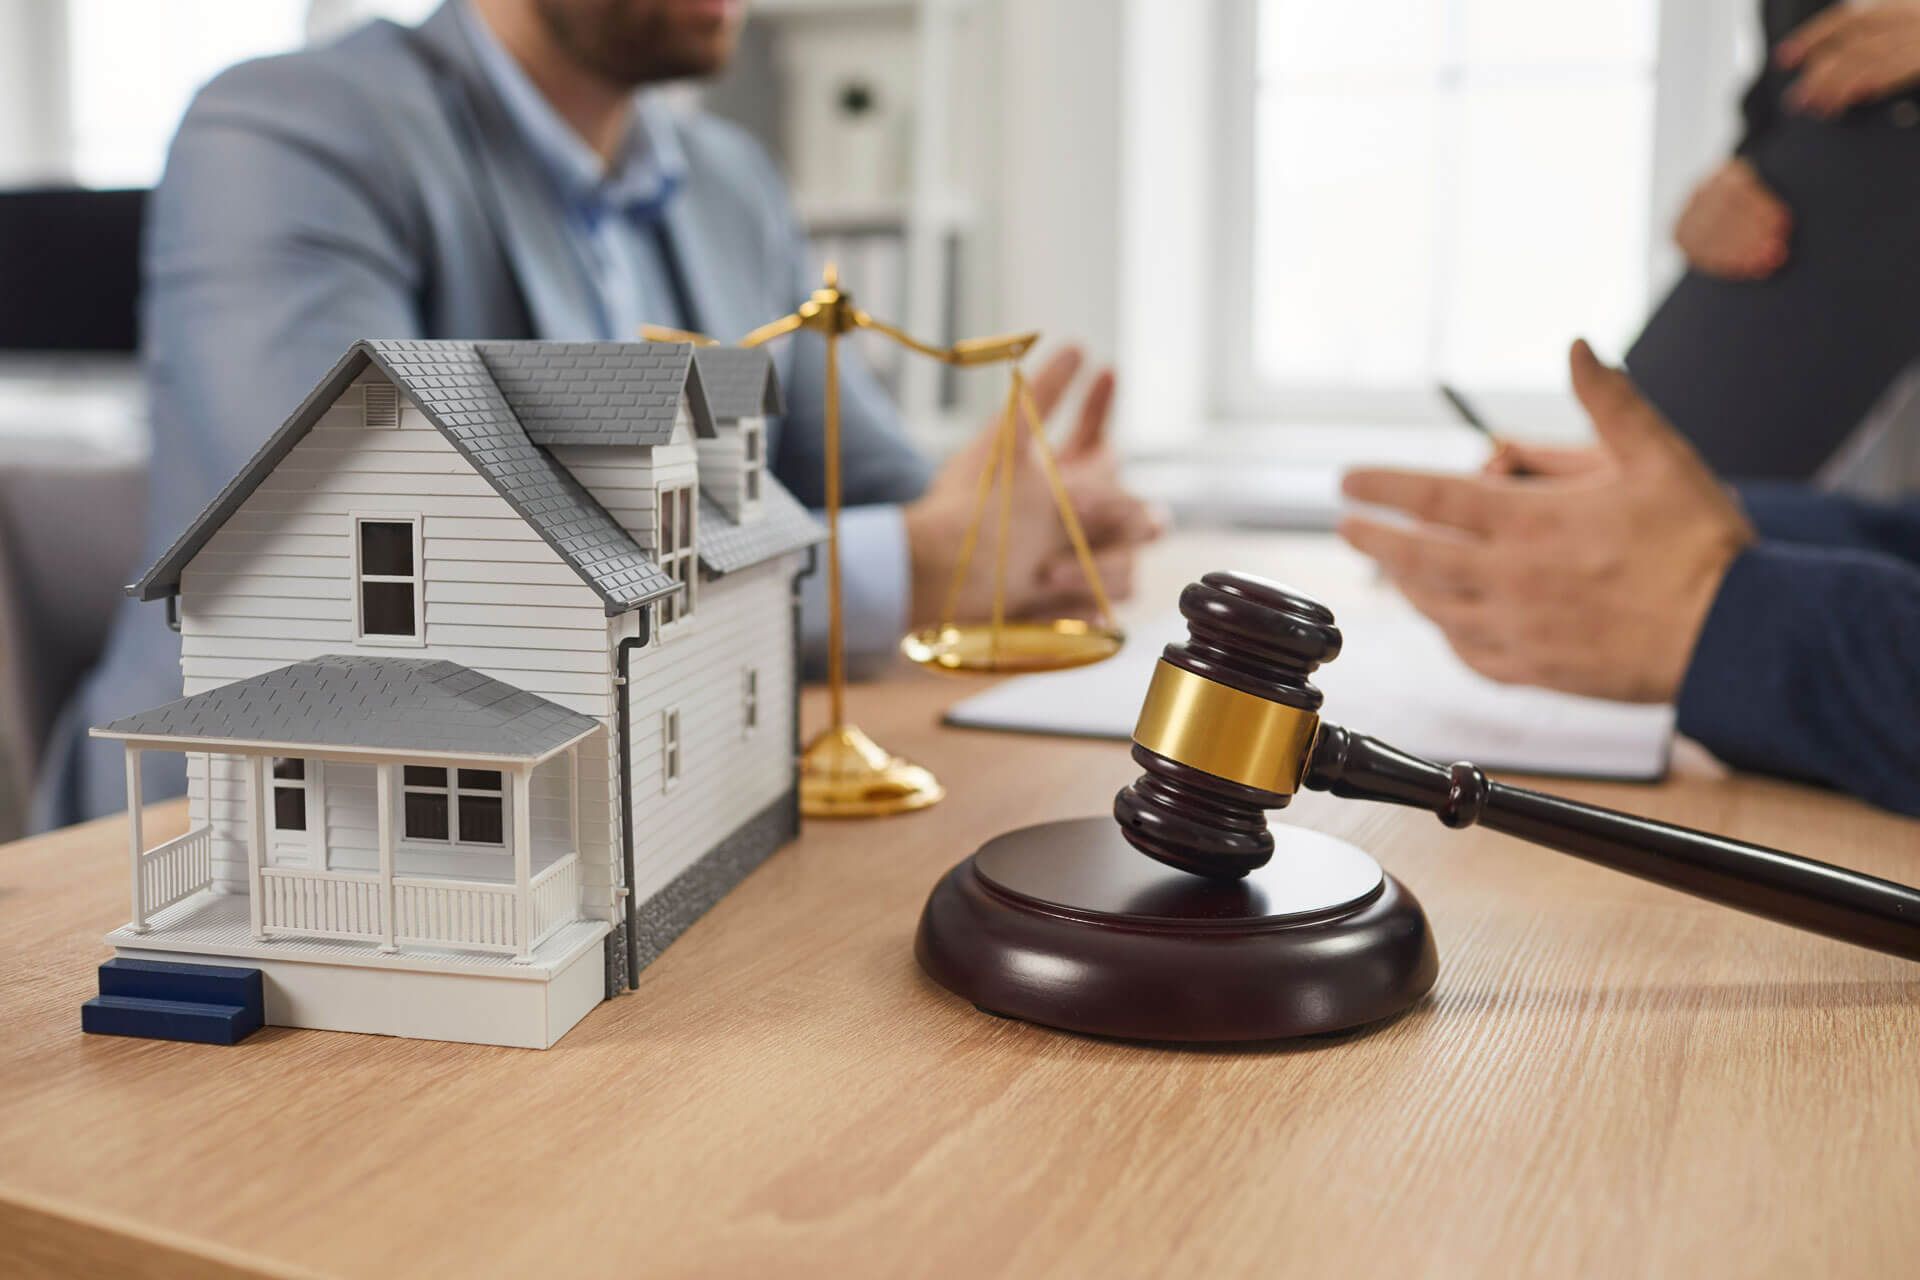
point(1065, 924)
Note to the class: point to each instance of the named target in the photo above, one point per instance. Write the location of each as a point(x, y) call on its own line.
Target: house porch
point(440, 854)
point(501, 902)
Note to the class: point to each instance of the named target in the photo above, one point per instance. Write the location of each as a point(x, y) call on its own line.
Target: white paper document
point(1397, 681)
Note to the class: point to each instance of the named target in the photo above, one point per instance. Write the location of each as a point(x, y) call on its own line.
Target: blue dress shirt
point(624, 254)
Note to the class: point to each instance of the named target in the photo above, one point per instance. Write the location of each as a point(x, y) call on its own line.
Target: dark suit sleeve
point(1809, 666)
point(1759, 108)
point(1794, 513)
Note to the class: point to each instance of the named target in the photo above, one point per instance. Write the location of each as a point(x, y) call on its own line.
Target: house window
point(676, 551)
point(753, 460)
point(289, 793)
point(388, 572)
point(669, 749)
point(1399, 201)
point(457, 806)
point(749, 701)
point(382, 405)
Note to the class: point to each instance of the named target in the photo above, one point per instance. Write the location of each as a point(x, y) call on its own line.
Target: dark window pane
point(294, 768)
point(290, 808)
point(426, 816)
point(753, 486)
point(386, 608)
point(666, 523)
point(386, 548)
point(420, 775)
point(480, 819)
point(686, 517)
point(480, 779)
point(753, 446)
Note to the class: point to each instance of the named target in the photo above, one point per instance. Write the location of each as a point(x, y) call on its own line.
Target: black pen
point(1467, 414)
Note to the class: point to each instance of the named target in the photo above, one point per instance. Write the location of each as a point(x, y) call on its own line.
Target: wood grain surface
point(1608, 1079)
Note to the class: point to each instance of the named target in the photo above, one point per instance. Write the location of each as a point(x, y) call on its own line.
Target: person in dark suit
point(1803, 249)
point(1784, 624)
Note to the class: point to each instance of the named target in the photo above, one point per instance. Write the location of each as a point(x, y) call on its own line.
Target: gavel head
point(1227, 726)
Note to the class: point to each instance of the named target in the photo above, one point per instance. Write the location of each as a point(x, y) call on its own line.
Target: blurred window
point(1434, 189)
point(134, 65)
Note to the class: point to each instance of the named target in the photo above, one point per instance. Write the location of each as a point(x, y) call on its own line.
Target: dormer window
point(753, 460)
point(674, 550)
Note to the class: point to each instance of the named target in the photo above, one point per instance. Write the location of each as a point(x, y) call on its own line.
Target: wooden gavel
point(1231, 728)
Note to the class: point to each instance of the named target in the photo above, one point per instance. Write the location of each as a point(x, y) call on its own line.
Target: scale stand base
point(846, 774)
point(1066, 925)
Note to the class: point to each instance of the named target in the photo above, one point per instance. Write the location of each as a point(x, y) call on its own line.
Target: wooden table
point(1608, 1079)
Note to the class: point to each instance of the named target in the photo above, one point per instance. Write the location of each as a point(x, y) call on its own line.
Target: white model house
point(491, 668)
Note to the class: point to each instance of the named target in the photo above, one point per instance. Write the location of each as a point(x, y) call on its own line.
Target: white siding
point(274, 586)
point(722, 463)
point(743, 621)
point(626, 479)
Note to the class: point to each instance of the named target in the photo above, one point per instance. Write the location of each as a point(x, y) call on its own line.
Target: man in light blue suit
point(493, 173)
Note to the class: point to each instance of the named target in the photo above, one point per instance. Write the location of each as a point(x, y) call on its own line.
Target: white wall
point(1059, 174)
point(726, 776)
point(35, 128)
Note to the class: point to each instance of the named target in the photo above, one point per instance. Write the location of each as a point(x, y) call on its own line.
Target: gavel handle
point(1816, 896)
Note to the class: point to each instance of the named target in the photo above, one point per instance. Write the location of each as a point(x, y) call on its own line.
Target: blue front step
point(167, 1019)
point(167, 980)
point(164, 1000)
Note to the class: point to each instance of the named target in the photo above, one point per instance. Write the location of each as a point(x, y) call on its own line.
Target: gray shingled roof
point(368, 703)
point(784, 525)
point(457, 393)
point(598, 392)
point(739, 381)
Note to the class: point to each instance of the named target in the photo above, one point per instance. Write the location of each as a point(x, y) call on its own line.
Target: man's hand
point(1594, 577)
point(1850, 54)
point(1734, 226)
point(1043, 575)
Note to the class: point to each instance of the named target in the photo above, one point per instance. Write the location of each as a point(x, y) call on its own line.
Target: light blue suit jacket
point(376, 188)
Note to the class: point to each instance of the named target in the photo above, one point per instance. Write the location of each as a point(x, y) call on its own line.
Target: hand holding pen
point(1504, 461)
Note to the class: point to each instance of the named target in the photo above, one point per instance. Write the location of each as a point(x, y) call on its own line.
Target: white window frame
point(387, 417)
point(677, 561)
point(670, 749)
point(749, 701)
point(1697, 82)
point(452, 792)
point(753, 462)
point(313, 802)
point(417, 579)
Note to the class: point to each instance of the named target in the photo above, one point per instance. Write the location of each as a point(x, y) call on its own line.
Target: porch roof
point(364, 704)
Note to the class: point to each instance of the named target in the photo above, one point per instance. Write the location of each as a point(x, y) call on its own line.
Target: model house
point(490, 664)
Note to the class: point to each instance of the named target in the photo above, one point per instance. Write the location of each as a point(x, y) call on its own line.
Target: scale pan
point(969, 648)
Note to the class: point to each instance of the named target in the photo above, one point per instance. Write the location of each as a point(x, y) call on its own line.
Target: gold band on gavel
point(1220, 730)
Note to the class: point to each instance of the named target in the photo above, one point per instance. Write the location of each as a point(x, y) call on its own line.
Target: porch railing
point(556, 897)
point(178, 869)
point(320, 904)
point(472, 915)
point(455, 913)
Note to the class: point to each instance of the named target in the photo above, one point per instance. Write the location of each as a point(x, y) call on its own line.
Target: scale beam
point(844, 773)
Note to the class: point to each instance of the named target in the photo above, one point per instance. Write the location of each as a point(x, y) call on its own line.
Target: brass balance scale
point(844, 773)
